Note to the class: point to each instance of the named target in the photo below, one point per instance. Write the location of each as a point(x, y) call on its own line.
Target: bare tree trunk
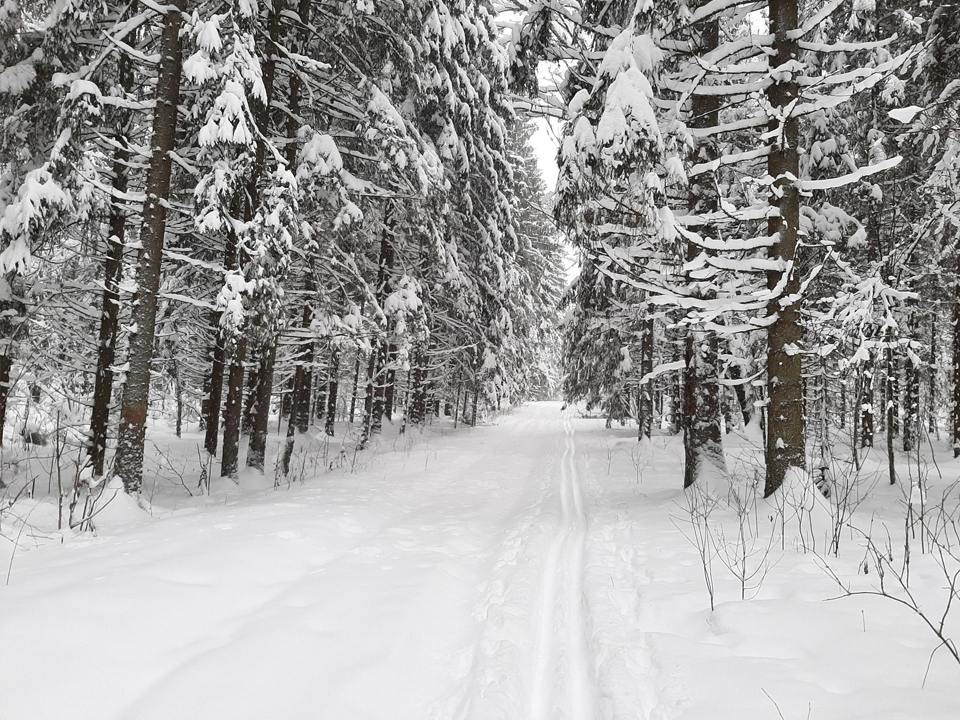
point(911, 418)
point(476, 401)
point(865, 408)
point(702, 437)
point(300, 381)
point(300, 414)
point(932, 378)
point(645, 410)
point(380, 354)
point(136, 392)
point(214, 382)
point(257, 449)
point(252, 394)
point(178, 389)
point(417, 411)
point(356, 386)
point(110, 305)
point(955, 410)
point(391, 382)
point(332, 389)
point(256, 413)
point(230, 460)
point(785, 416)
point(6, 363)
point(368, 400)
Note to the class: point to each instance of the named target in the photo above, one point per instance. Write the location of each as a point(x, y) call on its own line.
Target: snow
point(905, 114)
point(537, 567)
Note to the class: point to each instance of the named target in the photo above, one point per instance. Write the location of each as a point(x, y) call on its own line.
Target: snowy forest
point(479, 359)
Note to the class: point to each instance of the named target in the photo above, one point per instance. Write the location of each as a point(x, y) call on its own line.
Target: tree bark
point(214, 382)
point(136, 392)
point(955, 410)
point(702, 437)
point(785, 415)
point(356, 386)
point(257, 449)
point(261, 381)
point(331, 417)
point(417, 411)
point(252, 394)
point(645, 409)
point(232, 411)
point(110, 305)
point(390, 388)
point(865, 404)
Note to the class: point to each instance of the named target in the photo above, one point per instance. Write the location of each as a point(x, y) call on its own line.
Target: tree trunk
point(230, 460)
point(136, 392)
point(252, 394)
point(110, 305)
point(257, 449)
point(6, 362)
point(214, 399)
point(300, 380)
point(932, 378)
point(911, 417)
point(356, 386)
point(417, 411)
point(702, 436)
point(377, 379)
point(955, 410)
point(300, 413)
point(865, 408)
point(368, 400)
point(257, 414)
point(703, 441)
point(785, 415)
point(332, 388)
point(391, 382)
point(645, 410)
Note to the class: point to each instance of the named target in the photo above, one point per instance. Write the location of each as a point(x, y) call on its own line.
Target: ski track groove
point(561, 648)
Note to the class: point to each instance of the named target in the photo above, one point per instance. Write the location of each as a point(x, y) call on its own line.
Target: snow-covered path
point(534, 569)
point(371, 595)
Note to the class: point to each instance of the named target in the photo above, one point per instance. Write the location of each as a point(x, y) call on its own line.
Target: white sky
point(544, 142)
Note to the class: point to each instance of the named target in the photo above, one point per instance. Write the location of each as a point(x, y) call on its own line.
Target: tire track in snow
point(562, 668)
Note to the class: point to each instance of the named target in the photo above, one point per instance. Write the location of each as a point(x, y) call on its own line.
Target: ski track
point(562, 669)
point(493, 520)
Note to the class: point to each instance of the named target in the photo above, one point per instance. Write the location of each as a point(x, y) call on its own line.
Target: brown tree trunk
point(300, 383)
point(391, 382)
point(136, 391)
point(252, 394)
point(417, 410)
point(109, 310)
point(257, 449)
point(332, 388)
point(864, 409)
point(356, 386)
point(214, 382)
point(932, 379)
point(785, 416)
point(261, 382)
point(702, 437)
point(955, 410)
point(232, 411)
point(376, 401)
point(6, 362)
point(645, 409)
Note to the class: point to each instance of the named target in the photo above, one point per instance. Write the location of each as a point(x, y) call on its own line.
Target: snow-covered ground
point(541, 567)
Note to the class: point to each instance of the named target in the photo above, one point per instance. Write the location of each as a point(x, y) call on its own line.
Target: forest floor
point(540, 567)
